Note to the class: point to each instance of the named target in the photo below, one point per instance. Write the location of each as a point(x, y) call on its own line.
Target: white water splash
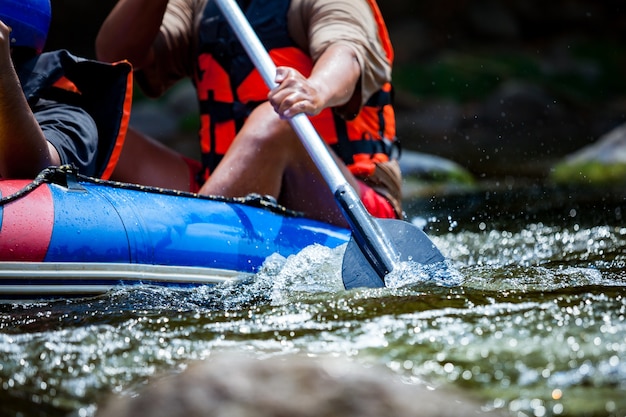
point(315, 269)
point(411, 273)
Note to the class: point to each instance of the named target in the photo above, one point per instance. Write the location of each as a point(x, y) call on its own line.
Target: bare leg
point(148, 162)
point(268, 158)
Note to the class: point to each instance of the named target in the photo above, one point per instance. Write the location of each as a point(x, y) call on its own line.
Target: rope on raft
point(68, 176)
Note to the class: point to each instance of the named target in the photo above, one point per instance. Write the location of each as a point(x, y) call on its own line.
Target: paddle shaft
point(370, 237)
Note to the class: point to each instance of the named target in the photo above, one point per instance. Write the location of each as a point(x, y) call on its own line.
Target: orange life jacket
point(229, 88)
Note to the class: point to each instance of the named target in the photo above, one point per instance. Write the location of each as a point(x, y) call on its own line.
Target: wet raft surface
point(535, 325)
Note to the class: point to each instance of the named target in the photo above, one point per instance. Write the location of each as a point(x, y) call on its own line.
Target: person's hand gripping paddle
point(377, 245)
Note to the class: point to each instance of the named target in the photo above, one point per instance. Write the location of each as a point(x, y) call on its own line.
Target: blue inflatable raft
point(66, 234)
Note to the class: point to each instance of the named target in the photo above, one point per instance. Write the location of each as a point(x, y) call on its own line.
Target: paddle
point(382, 243)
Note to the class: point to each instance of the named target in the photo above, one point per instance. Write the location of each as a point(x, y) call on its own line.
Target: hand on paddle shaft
point(377, 245)
point(294, 94)
point(331, 83)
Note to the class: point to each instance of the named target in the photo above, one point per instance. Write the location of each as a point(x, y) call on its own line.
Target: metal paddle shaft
point(370, 236)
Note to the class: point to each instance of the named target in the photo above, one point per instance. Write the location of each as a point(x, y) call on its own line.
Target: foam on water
point(315, 269)
point(408, 274)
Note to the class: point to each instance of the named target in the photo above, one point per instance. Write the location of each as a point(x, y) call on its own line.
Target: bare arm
point(24, 150)
point(129, 31)
point(332, 83)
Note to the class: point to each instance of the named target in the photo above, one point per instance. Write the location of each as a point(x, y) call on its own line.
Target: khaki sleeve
point(315, 24)
point(173, 57)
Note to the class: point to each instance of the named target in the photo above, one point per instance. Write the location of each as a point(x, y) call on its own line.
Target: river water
point(534, 322)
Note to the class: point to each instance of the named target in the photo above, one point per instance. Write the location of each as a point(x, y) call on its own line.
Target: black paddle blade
point(411, 243)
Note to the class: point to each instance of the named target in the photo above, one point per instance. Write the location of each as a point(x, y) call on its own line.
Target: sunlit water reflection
point(531, 321)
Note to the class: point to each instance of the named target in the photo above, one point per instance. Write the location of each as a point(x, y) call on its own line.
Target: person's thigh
point(146, 161)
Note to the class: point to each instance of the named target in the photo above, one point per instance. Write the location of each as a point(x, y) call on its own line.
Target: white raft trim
point(67, 278)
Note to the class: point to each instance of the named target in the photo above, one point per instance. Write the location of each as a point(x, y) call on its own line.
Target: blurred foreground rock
point(231, 385)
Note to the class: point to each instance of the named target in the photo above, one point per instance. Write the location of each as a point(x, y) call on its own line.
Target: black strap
point(221, 111)
point(380, 98)
point(346, 147)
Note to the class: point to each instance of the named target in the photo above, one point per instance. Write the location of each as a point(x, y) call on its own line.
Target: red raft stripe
point(26, 224)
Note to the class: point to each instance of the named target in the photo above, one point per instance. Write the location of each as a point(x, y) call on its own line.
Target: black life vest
point(103, 90)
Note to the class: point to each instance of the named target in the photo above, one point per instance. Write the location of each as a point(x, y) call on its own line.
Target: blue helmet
point(29, 21)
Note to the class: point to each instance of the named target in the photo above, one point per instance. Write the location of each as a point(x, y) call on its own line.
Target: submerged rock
point(601, 162)
point(424, 166)
point(425, 174)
